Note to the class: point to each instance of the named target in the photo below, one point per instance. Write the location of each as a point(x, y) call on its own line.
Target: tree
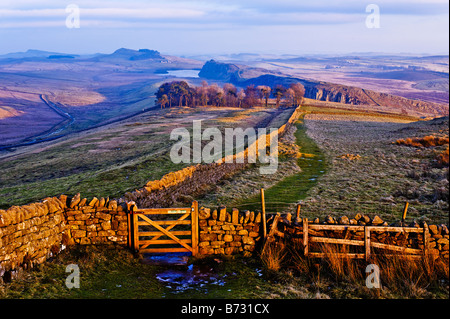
point(251, 96)
point(279, 93)
point(175, 91)
point(163, 101)
point(213, 90)
point(240, 97)
point(230, 92)
point(265, 92)
point(299, 93)
point(290, 96)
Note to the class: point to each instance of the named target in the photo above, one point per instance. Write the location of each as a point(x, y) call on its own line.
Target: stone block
point(106, 225)
point(235, 216)
point(228, 238)
point(247, 240)
point(75, 200)
point(206, 251)
point(204, 213)
point(76, 233)
point(222, 214)
point(217, 243)
point(208, 237)
point(243, 232)
point(212, 222)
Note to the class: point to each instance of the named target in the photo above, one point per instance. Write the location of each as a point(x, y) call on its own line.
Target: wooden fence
point(308, 233)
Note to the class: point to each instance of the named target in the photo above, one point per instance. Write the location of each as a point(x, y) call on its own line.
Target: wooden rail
point(309, 229)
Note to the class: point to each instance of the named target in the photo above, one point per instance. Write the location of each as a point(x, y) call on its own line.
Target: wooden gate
point(152, 230)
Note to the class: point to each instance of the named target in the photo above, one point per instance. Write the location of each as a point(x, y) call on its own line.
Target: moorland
point(95, 125)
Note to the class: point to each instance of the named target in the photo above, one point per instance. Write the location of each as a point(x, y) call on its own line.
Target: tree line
point(180, 93)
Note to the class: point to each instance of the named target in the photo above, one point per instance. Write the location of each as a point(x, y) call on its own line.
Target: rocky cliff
point(243, 76)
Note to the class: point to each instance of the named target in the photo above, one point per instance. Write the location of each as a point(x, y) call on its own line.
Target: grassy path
point(293, 188)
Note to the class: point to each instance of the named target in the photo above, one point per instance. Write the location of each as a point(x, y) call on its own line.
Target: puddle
point(173, 259)
point(193, 278)
point(179, 276)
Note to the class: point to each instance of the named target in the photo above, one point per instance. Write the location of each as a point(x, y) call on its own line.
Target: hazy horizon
point(180, 54)
point(214, 27)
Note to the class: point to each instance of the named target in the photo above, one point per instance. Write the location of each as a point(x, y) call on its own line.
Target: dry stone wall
point(228, 233)
point(30, 234)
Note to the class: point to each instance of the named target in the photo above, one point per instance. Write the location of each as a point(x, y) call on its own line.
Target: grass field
point(112, 160)
point(364, 171)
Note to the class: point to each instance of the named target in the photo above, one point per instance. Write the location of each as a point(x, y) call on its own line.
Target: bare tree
point(230, 92)
point(279, 93)
point(240, 97)
point(252, 96)
point(299, 93)
point(290, 96)
point(212, 93)
point(265, 92)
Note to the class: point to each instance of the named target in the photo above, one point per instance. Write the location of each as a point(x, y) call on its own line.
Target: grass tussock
point(427, 141)
point(442, 157)
point(400, 276)
point(273, 255)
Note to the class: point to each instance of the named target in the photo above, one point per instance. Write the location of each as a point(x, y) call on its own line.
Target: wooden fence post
point(135, 229)
point(297, 215)
point(263, 217)
point(130, 230)
point(194, 222)
point(367, 242)
point(305, 236)
point(425, 240)
point(405, 210)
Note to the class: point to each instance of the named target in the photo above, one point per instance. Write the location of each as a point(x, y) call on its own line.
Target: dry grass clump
point(412, 277)
point(442, 158)
point(427, 141)
point(400, 275)
point(273, 255)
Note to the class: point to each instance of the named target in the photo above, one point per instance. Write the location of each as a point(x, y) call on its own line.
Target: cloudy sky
point(225, 26)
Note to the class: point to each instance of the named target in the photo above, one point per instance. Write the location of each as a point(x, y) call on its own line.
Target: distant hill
point(220, 71)
point(37, 55)
point(131, 55)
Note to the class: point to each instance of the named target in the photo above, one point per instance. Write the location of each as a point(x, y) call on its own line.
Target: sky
point(196, 27)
